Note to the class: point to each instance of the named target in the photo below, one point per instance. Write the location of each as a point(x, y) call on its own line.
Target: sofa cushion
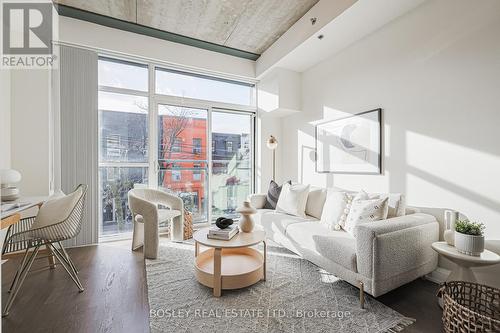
point(315, 202)
point(302, 234)
point(273, 221)
point(341, 250)
point(293, 199)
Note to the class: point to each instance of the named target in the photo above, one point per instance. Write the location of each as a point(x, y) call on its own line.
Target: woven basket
point(188, 225)
point(470, 307)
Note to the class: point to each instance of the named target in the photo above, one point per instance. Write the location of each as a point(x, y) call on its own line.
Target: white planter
point(469, 244)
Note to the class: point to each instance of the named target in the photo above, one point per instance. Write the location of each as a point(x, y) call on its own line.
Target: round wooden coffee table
point(231, 264)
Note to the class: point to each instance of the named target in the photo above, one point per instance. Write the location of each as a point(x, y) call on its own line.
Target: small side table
point(464, 262)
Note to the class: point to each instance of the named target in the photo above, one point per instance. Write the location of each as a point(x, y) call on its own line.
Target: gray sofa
point(385, 254)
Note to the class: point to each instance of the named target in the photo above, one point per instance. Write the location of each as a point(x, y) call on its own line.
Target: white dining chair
point(57, 220)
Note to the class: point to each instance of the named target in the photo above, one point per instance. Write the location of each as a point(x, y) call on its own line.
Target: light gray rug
point(296, 297)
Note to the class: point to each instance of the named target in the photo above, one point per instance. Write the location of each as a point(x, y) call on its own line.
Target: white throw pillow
point(293, 199)
point(363, 211)
point(334, 207)
point(315, 202)
point(56, 210)
point(396, 202)
point(350, 197)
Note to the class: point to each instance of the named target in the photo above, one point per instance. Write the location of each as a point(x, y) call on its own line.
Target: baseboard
point(439, 275)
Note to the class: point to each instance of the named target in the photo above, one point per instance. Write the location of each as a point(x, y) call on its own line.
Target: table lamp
point(8, 177)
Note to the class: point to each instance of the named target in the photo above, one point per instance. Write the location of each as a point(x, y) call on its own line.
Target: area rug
point(296, 297)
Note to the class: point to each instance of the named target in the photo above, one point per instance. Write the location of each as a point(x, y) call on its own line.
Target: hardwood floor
point(115, 298)
point(417, 300)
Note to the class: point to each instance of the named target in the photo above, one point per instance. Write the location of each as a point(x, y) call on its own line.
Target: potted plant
point(469, 238)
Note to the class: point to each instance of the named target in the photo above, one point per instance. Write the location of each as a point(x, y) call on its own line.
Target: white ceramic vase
point(469, 244)
point(246, 222)
point(450, 217)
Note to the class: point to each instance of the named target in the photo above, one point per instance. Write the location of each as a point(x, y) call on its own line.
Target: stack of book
point(222, 234)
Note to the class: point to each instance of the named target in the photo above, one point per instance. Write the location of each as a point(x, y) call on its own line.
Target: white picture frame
point(350, 145)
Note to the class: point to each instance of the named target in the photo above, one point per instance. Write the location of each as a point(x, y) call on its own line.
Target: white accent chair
point(147, 217)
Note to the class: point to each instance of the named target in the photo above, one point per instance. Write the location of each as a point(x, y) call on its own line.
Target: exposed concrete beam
point(324, 11)
point(299, 48)
point(119, 9)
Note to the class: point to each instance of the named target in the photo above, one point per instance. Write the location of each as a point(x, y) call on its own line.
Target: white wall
point(266, 126)
point(30, 137)
point(101, 37)
point(4, 119)
point(4, 128)
point(436, 73)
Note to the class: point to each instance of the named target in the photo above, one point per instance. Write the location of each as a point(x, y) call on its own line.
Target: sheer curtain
point(75, 142)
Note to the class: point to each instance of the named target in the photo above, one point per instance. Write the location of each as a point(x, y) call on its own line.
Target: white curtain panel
point(77, 84)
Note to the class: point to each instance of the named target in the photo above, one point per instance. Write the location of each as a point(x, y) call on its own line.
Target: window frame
point(120, 164)
point(189, 73)
point(197, 148)
point(196, 171)
point(154, 99)
point(229, 146)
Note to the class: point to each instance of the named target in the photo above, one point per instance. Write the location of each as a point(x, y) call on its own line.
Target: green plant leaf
point(469, 228)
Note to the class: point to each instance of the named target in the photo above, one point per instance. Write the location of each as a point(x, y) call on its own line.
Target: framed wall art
point(350, 145)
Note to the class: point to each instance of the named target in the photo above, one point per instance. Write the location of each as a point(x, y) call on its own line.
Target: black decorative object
point(223, 222)
point(350, 144)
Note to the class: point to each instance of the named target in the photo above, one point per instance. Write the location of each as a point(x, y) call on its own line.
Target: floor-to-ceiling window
point(231, 176)
point(182, 156)
point(123, 140)
point(184, 133)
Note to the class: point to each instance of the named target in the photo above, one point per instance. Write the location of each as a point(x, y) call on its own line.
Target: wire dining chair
point(25, 235)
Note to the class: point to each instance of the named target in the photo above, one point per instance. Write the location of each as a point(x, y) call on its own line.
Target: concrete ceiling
point(248, 25)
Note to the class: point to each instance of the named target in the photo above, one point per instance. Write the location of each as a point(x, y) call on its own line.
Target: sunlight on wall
point(443, 174)
point(268, 101)
point(330, 114)
point(452, 161)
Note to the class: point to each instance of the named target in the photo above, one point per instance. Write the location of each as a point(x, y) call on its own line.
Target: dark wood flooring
point(115, 298)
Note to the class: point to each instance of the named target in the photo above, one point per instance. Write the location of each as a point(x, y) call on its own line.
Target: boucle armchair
point(147, 216)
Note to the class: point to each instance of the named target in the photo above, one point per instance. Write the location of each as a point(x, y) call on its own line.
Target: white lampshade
point(9, 176)
point(272, 143)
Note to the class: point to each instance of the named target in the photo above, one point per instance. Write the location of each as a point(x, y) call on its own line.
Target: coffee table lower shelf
point(239, 268)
